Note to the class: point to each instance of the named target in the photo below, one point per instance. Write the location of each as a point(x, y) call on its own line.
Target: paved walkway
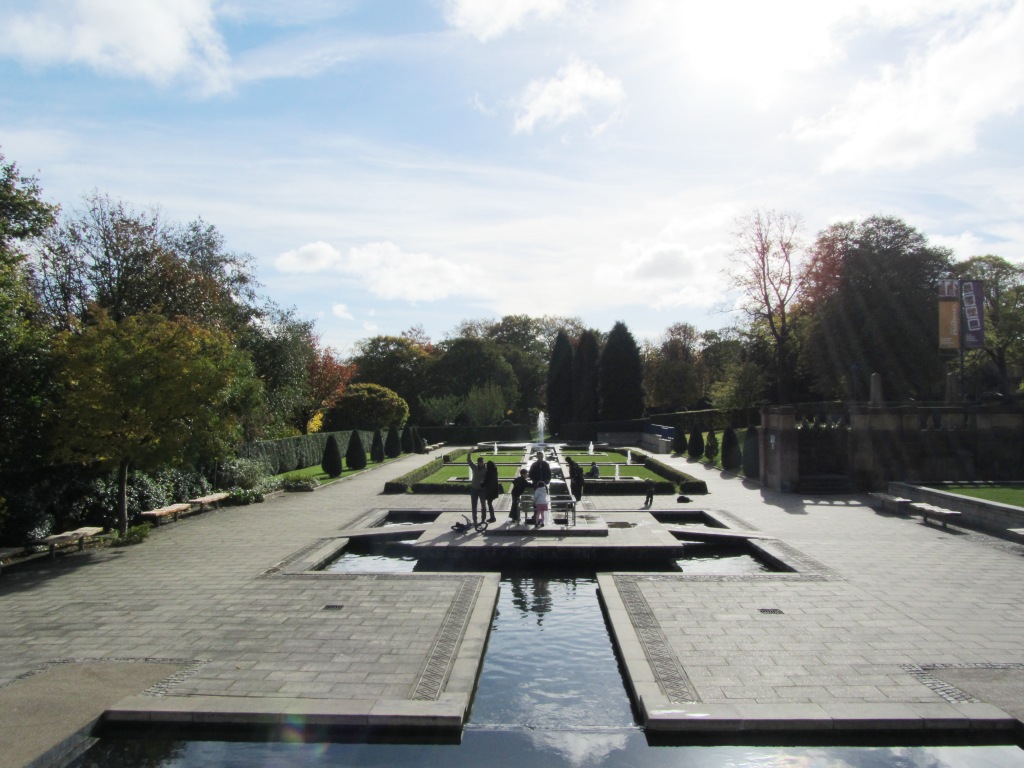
point(888, 623)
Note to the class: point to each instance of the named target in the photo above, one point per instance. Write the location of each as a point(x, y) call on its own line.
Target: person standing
point(519, 484)
point(476, 484)
point(541, 500)
point(540, 470)
point(492, 489)
point(575, 478)
point(649, 490)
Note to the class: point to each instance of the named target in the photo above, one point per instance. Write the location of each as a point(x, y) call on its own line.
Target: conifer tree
point(621, 376)
point(355, 456)
point(732, 458)
point(377, 447)
point(751, 454)
point(331, 462)
point(695, 445)
point(393, 444)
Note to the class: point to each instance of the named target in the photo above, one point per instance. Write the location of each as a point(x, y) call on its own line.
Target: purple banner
point(972, 299)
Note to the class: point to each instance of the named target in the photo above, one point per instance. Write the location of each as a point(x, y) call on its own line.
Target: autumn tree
point(148, 392)
point(326, 378)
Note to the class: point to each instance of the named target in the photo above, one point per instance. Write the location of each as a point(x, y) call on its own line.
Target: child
point(541, 515)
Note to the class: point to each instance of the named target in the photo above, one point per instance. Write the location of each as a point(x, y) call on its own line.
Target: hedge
point(687, 483)
point(406, 482)
point(291, 453)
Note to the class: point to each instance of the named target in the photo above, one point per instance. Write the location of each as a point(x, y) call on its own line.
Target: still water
point(550, 695)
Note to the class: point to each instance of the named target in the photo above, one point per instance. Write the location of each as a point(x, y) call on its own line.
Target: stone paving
point(861, 636)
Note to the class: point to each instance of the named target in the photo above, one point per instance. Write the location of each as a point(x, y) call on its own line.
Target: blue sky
point(398, 162)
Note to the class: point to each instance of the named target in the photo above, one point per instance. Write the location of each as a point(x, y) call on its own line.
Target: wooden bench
point(8, 552)
point(173, 510)
point(930, 510)
point(895, 505)
point(435, 446)
point(211, 500)
point(68, 537)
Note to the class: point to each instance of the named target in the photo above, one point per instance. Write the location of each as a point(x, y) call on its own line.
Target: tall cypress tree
point(377, 447)
point(585, 367)
point(559, 390)
point(620, 378)
point(355, 456)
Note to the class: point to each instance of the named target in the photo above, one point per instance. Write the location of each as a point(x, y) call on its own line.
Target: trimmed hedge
point(687, 483)
point(291, 453)
point(405, 483)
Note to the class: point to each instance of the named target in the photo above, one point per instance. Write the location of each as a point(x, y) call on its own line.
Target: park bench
point(435, 446)
point(68, 537)
point(895, 505)
point(8, 552)
point(930, 510)
point(173, 510)
point(212, 500)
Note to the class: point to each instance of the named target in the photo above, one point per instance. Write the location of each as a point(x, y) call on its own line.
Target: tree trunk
point(122, 496)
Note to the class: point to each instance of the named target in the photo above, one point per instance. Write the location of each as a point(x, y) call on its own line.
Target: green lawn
point(319, 474)
point(1003, 494)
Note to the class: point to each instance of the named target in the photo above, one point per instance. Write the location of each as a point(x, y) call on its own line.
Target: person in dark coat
point(520, 484)
point(492, 488)
point(540, 471)
point(476, 484)
point(575, 479)
point(649, 490)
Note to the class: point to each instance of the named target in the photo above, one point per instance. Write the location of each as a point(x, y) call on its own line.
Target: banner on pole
point(949, 314)
point(972, 298)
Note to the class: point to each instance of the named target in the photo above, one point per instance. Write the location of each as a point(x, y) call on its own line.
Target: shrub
point(408, 445)
point(300, 484)
point(393, 444)
point(331, 461)
point(134, 535)
point(355, 456)
point(377, 447)
point(695, 445)
point(242, 473)
point(711, 447)
point(366, 406)
point(243, 496)
point(732, 457)
point(417, 441)
point(751, 454)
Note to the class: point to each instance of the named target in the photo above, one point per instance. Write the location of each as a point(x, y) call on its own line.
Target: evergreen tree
point(331, 462)
point(407, 442)
point(585, 371)
point(695, 445)
point(417, 440)
point(620, 382)
point(393, 444)
point(355, 456)
point(732, 458)
point(559, 383)
point(377, 447)
point(711, 446)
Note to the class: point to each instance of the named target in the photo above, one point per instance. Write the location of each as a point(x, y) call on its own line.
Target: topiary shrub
point(331, 461)
point(355, 456)
point(408, 446)
point(711, 447)
point(417, 441)
point(732, 457)
point(695, 445)
point(393, 444)
point(751, 454)
point(136, 534)
point(377, 447)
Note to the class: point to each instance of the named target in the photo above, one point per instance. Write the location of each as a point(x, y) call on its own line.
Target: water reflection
point(541, 749)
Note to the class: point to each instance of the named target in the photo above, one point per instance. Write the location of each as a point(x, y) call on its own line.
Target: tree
point(130, 262)
point(559, 384)
point(751, 454)
point(882, 315)
point(695, 445)
point(732, 456)
point(1004, 316)
point(399, 363)
point(377, 447)
point(148, 392)
point(366, 406)
point(585, 376)
point(769, 277)
point(711, 446)
point(621, 376)
point(393, 444)
point(443, 409)
point(466, 363)
point(742, 386)
point(331, 462)
point(283, 348)
point(326, 378)
point(27, 377)
point(485, 405)
point(670, 371)
point(355, 455)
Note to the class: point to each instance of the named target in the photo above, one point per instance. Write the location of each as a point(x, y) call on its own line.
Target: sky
point(391, 163)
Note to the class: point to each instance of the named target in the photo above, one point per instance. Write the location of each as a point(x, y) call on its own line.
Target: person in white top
point(541, 508)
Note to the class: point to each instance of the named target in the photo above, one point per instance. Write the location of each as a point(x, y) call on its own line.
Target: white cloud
point(577, 87)
point(934, 104)
point(313, 257)
point(489, 19)
point(155, 40)
point(390, 273)
point(341, 311)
